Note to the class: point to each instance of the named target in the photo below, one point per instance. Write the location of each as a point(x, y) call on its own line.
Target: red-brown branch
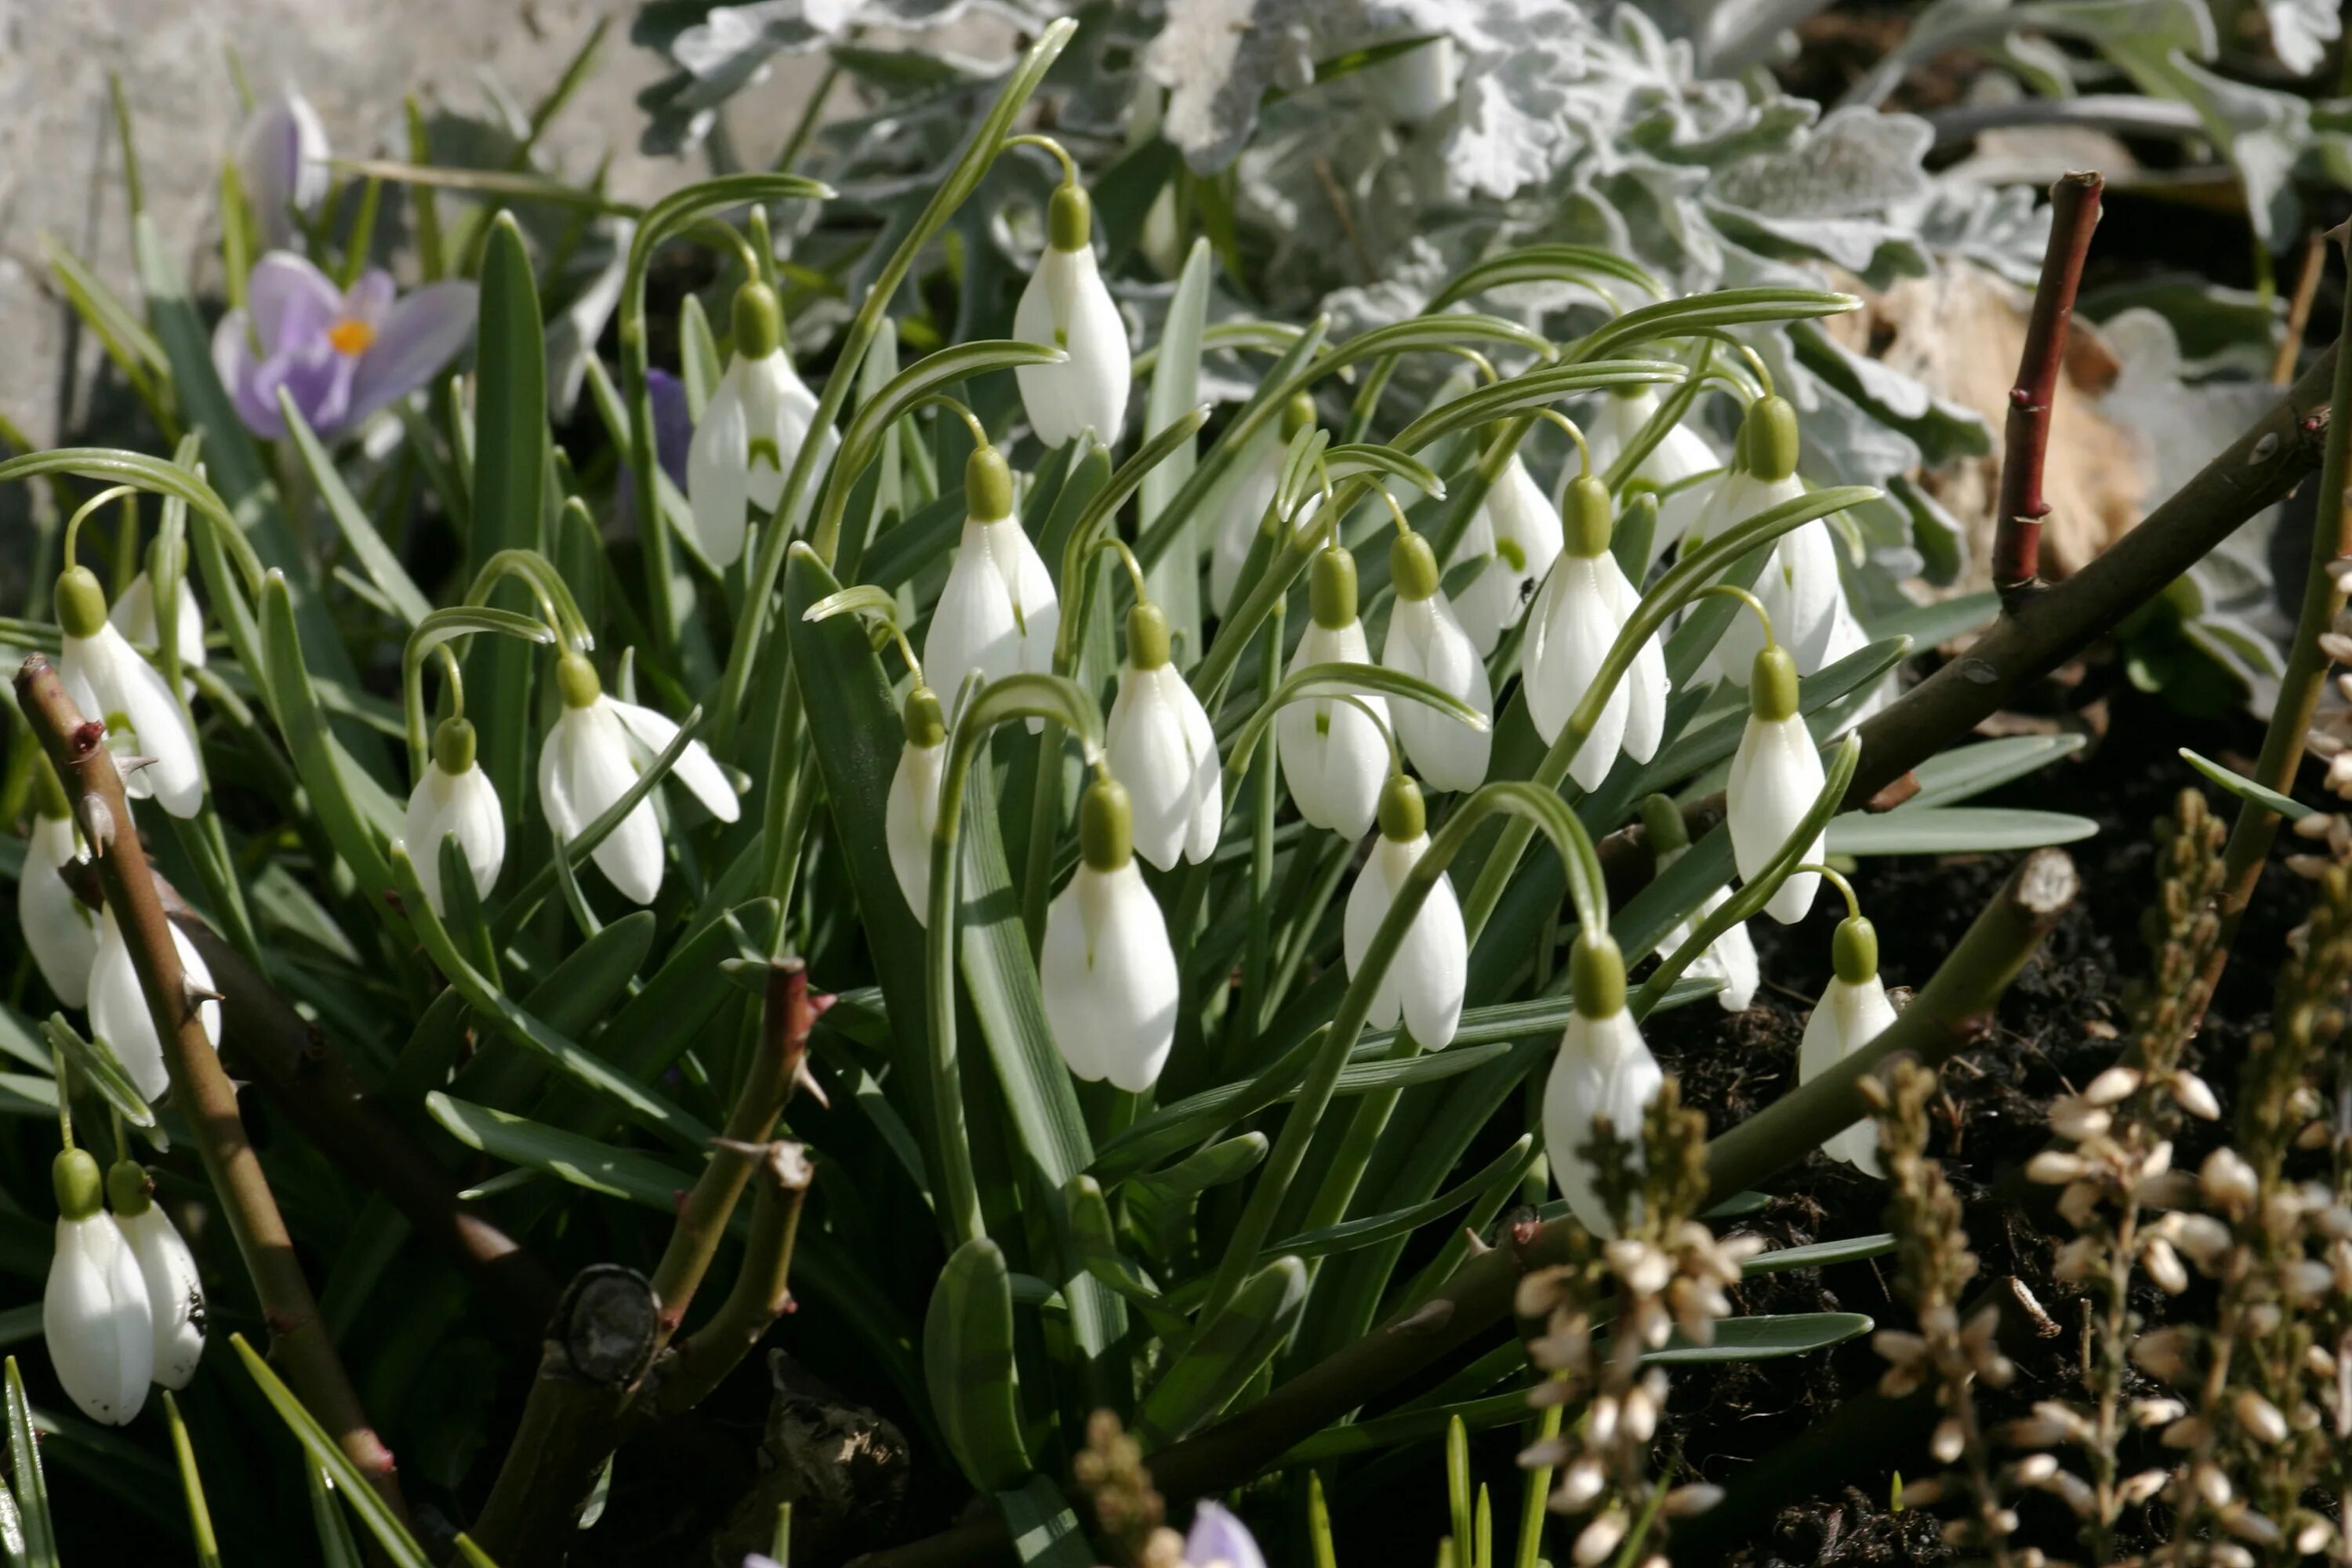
point(2017, 528)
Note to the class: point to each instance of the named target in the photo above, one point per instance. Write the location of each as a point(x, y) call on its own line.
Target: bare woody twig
point(2016, 525)
point(201, 1090)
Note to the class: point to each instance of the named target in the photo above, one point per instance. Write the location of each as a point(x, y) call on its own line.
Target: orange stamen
point(351, 336)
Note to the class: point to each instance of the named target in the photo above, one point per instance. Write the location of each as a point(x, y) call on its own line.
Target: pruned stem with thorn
point(2017, 521)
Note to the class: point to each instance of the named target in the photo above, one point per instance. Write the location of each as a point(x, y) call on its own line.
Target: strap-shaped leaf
point(510, 440)
point(436, 628)
point(1700, 312)
point(968, 1366)
point(1044, 1527)
point(1175, 582)
point(2244, 788)
point(1545, 264)
point(399, 1547)
point(376, 558)
point(1953, 830)
point(1509, 1166)
point(31, 1488)
point(356, 815)
point(1964, 772)
point(1214, 1166)
point(1224, 1355)
point(615, 1171)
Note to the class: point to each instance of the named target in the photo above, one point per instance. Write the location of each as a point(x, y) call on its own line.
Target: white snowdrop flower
point(1159, 736)
point(911, 812)
point(1106, 969)
point(592, 756)
point(95, 1313)
point(1731, 957)
point(1425, 640)
point(1854, 1011)
point(1603, 1069)
point(453, 795)
point(1068, 306)
point(1334, 753)
point(751, 431)
point(1844, 635)
point(998, 613)
point(1518, 532)
point(1426, 979)
point(1776, 776)
point(282, 154)
point(134, 616)
point(1246, 502)
point(1675, 465)
point(1799, 587)
point(176, 1296)
point(59, 927)
point(1582, 605)
point(118, 1007)
point(109, 681)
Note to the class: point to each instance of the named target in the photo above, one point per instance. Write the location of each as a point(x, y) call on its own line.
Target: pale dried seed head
point(1694, 1498)
point(2164, 1266)
point(2195, 1095)
point(2139, 1489)
point(2211, 1484)
point(2033, 1469)
point(2115, 1084)
point(2258, 1417)
point(1598, 1539)
point(1948, 1442)
point(2157, 1412)
point(2056, 1167)
point(2247, 1525)
point(2228, 1180)
point(1579, 1485)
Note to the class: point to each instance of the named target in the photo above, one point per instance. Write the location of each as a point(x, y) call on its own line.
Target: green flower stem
point(201, 1090)
point(434, 631)
point(979, 709)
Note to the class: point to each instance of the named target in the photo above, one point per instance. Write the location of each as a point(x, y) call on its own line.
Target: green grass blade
point(509, 467)
point(398, 1545)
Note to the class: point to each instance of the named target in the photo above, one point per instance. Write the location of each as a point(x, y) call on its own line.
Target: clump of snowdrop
point(1515, 532)
point(1604, 1071)
point(454, 795)
point(999, 614)
point(1776, 776)
point(1068, 306)
point(96, 1314)
point(1247, 505)
point(109, 680)
point(1425, 640)
point(1334, 750)
point(1158, 734)
point(1730, 958)
point(1430, 971)
point(1106, 969)
point(1854, 1011)
point(1584, 603)
point(751, 434)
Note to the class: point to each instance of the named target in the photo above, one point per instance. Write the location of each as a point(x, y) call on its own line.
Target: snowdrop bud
point(176, 1296)
point(1426, 640)
point(1731, 957)
point(59, 929)
point(1246, 505)
point(912, 810)
point(1854, 1011)
point(1776, 776)
point(453, 795)
point(998, 613)
point(1106, 969)
point(118, 1007)
point(750, 435)
point(1517, 534)
point(109, 681)
point(1158, 735)
point(95, 1313)
point(1068, 306)
point(1333, 752)
point(1603, 1069)
point(1430, 971)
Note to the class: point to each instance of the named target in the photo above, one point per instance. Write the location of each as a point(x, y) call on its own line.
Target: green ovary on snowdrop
point(1335, 754)
point(1430, 972)
point(1603, 1069)
point(1584, 603)
point(1107, 969)
point(751, 432)
point(1854, 1011)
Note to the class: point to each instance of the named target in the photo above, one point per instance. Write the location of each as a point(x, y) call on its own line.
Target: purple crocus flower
point(340, 355)
point(1219, 1540)
point(673, 423)
point(284, 155)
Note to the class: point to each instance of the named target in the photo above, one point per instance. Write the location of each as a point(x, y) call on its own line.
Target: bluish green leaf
point(399, 1547)
point(1224, 1355)
point(510, 467)
point(2244, 788)
point(968, 1366)
point(1953, 830)
point(1952, 776)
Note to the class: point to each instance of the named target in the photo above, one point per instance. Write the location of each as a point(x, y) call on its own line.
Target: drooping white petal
point(910, 814)
point(1730, 958)
point(118, 1007)
point(1575, 622)
point(1426, 979)
point(1682, 455)
point(107, 680)
point(1849, 1017)
point(998, 613)
point(584, 769)
point(1603, 1069)
point(176, 1296)
point(1845, 636)
point(133, 616)
point(96, 1318)
point(1738, 499)
point(1646, 684)
point(1110, 978)
point(1811, 595)
point(1776, 776)
point(1155, 740)
point(1426, 639)
point(1334, 756)
point(717, 477)
point(1519, 526)
point(1068, 306)
point(60, 929)
point(702, 777)
point(464, 804)
point(779, 410)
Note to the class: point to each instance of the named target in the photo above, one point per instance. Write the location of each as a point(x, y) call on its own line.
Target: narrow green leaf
point(31, 1487)
point(1214, 1166)
point(510, 467)
point(356, 815)
point(968, 1366)
point(2244, 788)
point(200, 1514)
point(1175, 580)
point(1224, 1355)
point(699, 363)
point(1953, 830)
point(1819, 1254)
point(1044, 1527)
point(1764, 1339)
point(616, 1173)
point(96, 1062)
point(1508, 1167)
point(382, 564)
point(398, 1545)
point(335, 1542)
point(1956, 775)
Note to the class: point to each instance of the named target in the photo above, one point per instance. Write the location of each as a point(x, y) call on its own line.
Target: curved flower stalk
point(751, 432)
point(1426, 640)
point(119, 1013)
point(133, 616)
point(453, 795)
point(1333, 751)
point(1518, 533)
point(1799, 586)
point(1068, 306)
point(592, 756)
point(1106, 969)
point(1731, 957)
point(282, 154)
point(94, 1312)
point(1246, 505)
point(1425, 981)
point(1582, 606)
point(1852, 1012)
point(999, 614)
point(1775, 775)
point(106, 676)
point(1603, 1069)
point(59, 930)
point(911, 814)
point(1682, 466)
point(340, 355)
point(1158, 734)
point(176, 1296)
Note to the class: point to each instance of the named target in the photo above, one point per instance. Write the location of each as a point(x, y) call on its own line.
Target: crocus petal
point(1426, 978)
point(1849, 1017)
point(1424, 639)
point(309, 371)
point(290, 301)
point(910, 814)
point(702, 777)
point(464, 804)
point(1068, 306)
point(175, 1295)
point(1603, 1069)
point(1334, 756)
point(1154, 749)
point(97, 1321)
point(233, 360)
point(283, 154)
point(1218, 1539)
point(1776, 774)
point(1110, 978)
point(718, 484)
point(585, 769)
point(118, 1007)
point(59, 929)
point(419, 335)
